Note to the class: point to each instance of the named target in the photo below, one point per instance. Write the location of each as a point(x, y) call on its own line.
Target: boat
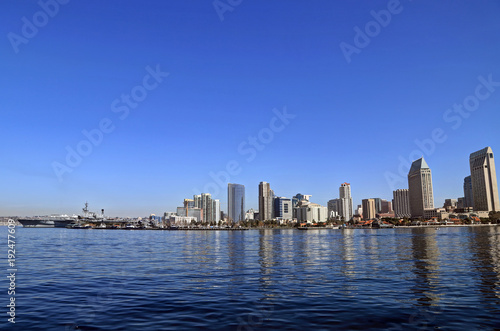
point(88, 218)
point(63, 221)
point(53, 221)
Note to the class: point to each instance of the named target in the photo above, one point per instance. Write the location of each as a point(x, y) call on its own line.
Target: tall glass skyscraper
point(236, 202)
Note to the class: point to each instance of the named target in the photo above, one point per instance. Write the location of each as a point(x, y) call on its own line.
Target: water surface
point(408, 278)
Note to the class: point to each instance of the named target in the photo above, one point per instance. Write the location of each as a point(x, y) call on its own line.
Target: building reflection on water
point(426, 267)
point(485, 249)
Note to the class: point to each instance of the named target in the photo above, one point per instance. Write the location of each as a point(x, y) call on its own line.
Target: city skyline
point(135, 107)
point(419, 173)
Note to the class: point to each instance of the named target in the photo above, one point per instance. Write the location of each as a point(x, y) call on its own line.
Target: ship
point(52, 221)
point(61, 221)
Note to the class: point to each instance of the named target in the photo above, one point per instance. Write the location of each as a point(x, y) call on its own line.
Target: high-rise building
point(216, 211)
point(386, 207)
point(484, 180)
point(420, 188)
point(469, 201)
point(266, 196)
point(461, 203)
point(204, 201)
point(283, 208)
point(378, 205)
point(401, 203)
point(345, 208)
point(235, 202)
point(333, 208)
point(368, 209)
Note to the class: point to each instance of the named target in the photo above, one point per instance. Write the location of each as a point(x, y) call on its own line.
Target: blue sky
point(353, 121)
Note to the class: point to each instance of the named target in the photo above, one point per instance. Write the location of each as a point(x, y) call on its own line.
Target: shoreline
point(276, 228)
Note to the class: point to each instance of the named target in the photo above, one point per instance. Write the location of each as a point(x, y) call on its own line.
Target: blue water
point(394, 279)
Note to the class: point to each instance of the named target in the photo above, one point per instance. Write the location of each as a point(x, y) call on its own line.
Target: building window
point(491, 155)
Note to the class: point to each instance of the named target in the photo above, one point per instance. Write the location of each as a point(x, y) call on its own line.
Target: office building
point(484, 180)
point(283, 208)
point(401, 203)
point(205, 202)
point(311, 212)
point(359, 211)
point(235, 202)
point(469, 201)
point(369, 211)
point(266, 196)
point(333, 208)
point(420, 188)
point(386, 207)
point(345, 207)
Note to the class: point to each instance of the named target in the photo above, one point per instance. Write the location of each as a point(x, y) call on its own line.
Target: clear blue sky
point(353, 120)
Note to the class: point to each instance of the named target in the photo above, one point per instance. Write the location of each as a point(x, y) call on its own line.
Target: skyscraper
point(216, 211)
point(420, 188)
point(386, 207)
point(345, 207)
point(401, 202)
point(283, 208)
point(266, 196)
point(333, 208)
point(235, 202)
point(484, 180)
point(469, 201)
point(205, 202)
point(368, 209)
point(378, 205)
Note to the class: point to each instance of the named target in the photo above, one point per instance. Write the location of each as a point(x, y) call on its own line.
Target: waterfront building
point(345, 207)
point(250, 215)
point(359, 211)
point(235, 202)
point(461, 203)
point(420, 188)
point(216, 211)
point(266, 196)
point(333, 208)
point(299, 197)
point(401, 203)
point(283, 208)
point(180, 221)
point(484, 180)
point(469, 201)
point(386, 207)
point(191, 212)
point(205, 202)
point(369, 211)
point(311, 212)
point(378, 205)
point(188, 203)
point(450, 204)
